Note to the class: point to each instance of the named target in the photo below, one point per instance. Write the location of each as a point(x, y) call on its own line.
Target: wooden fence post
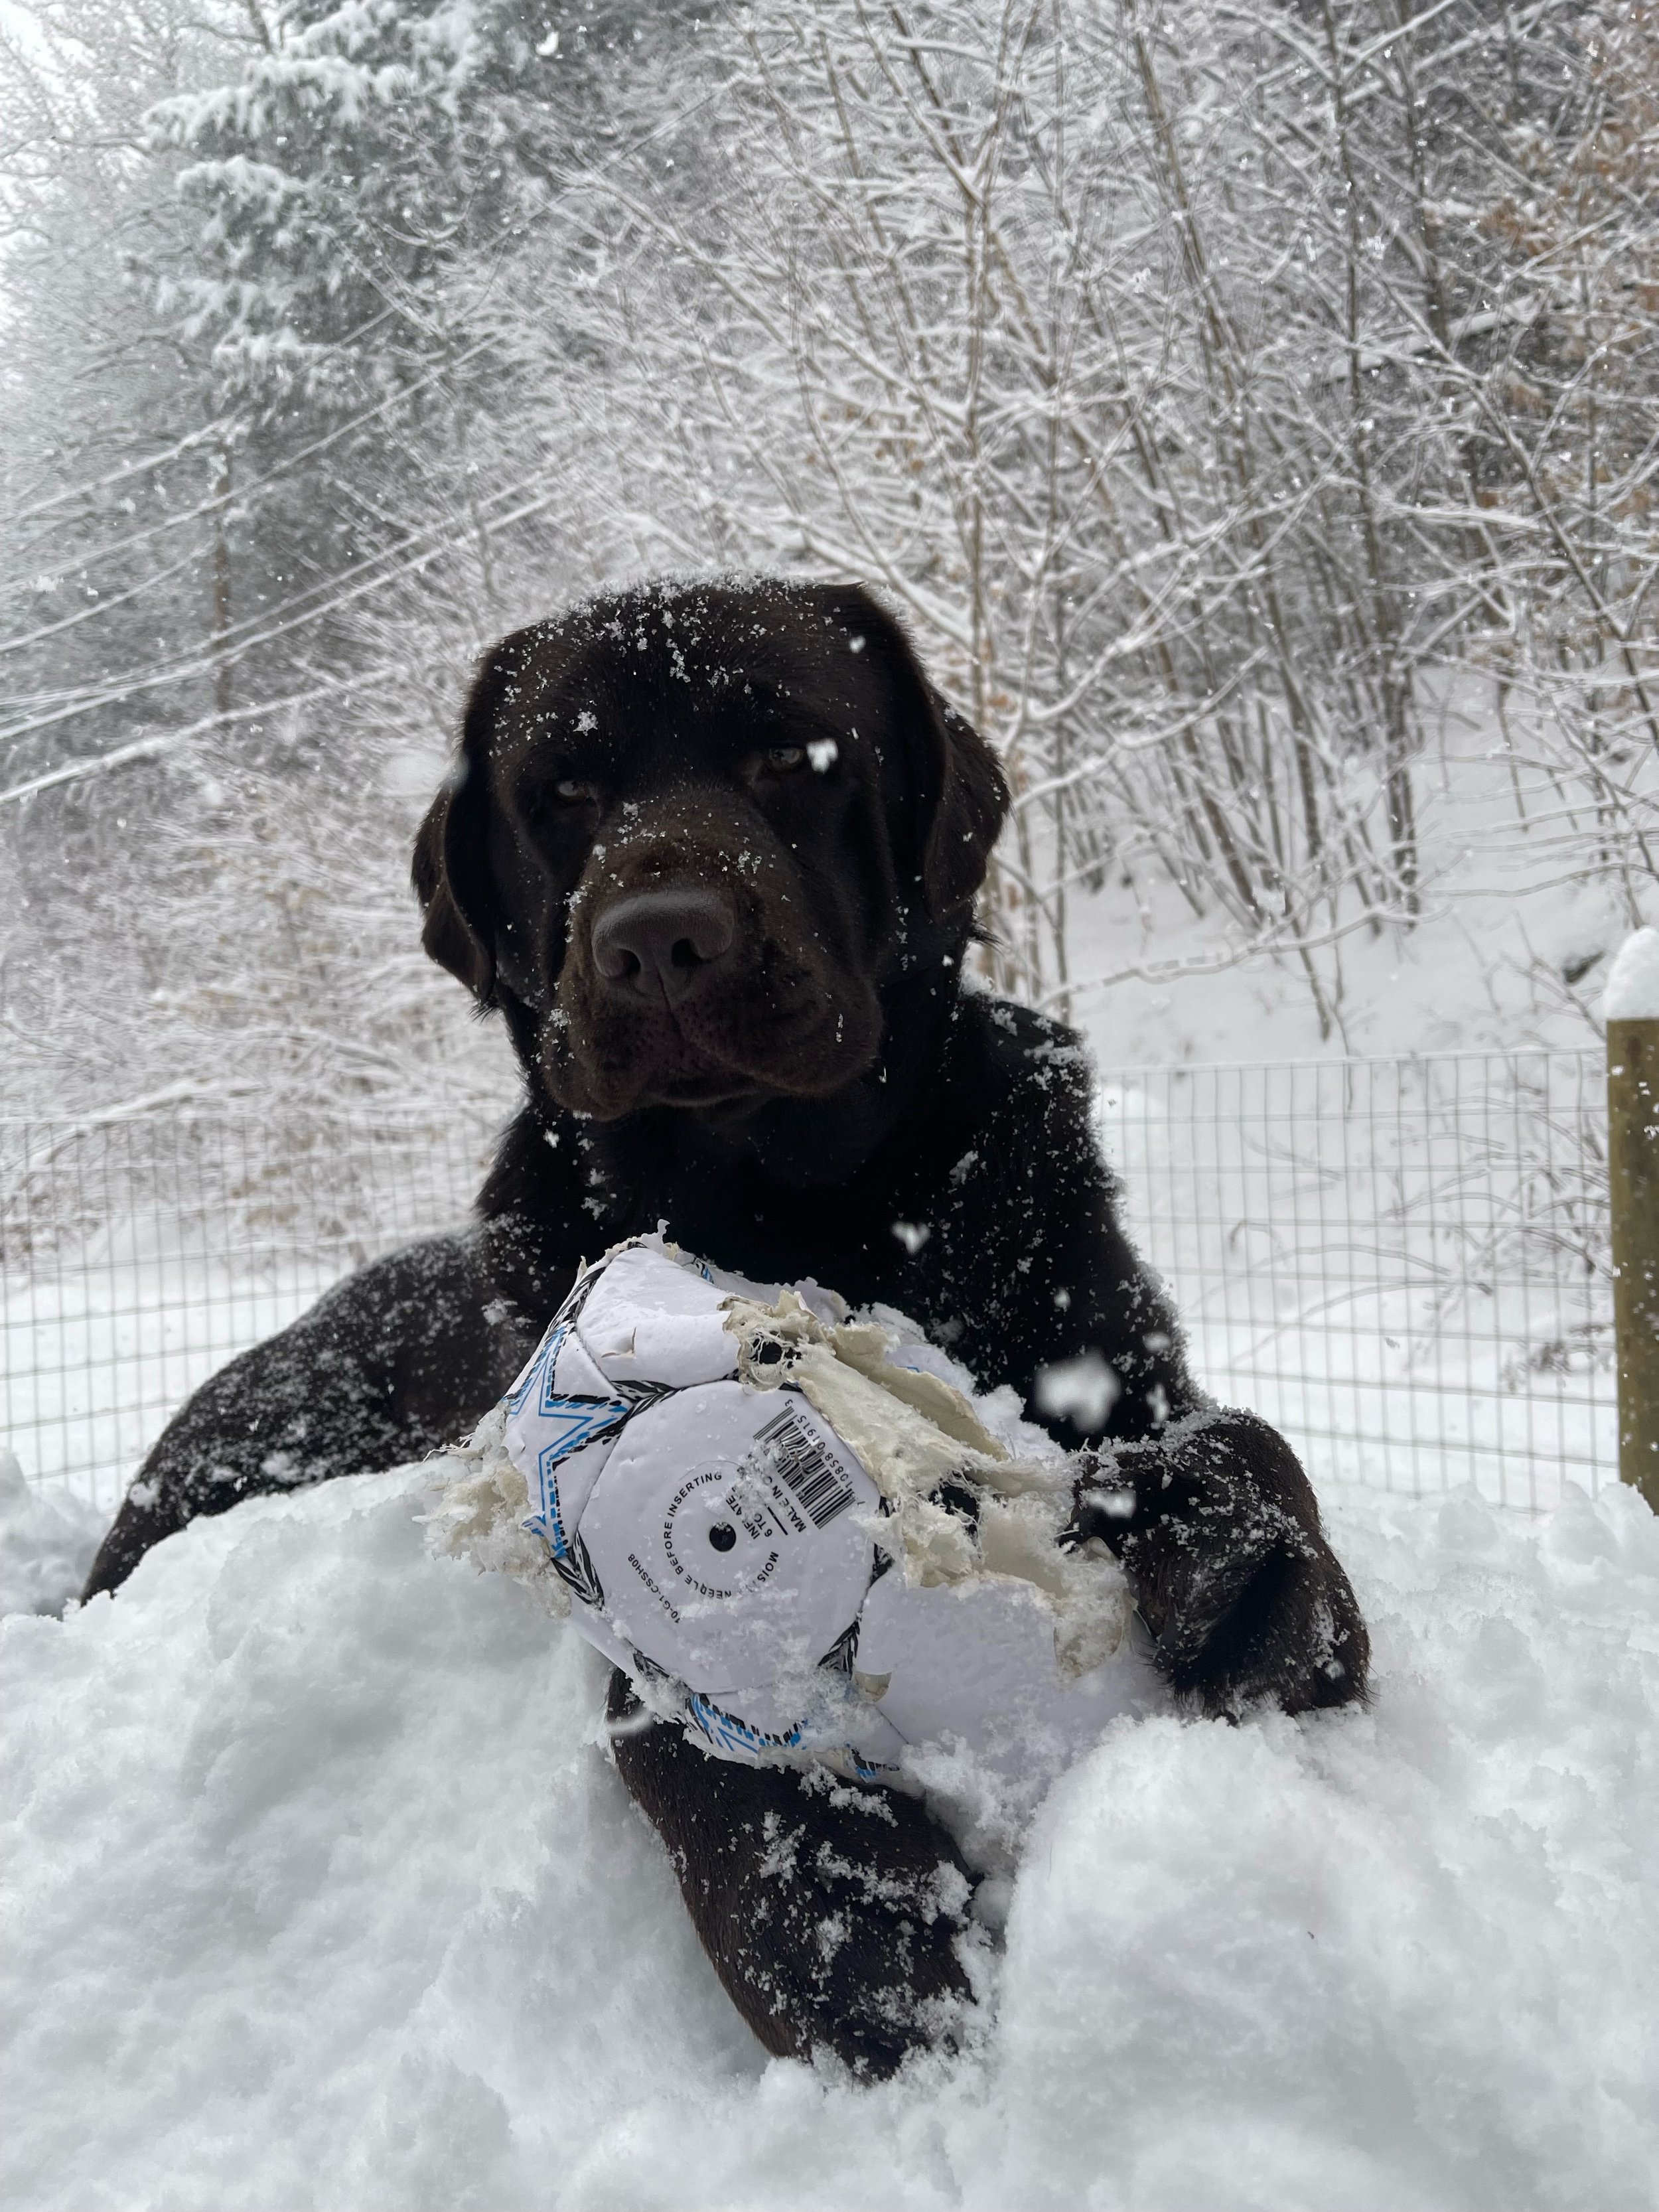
point(1632, 1006)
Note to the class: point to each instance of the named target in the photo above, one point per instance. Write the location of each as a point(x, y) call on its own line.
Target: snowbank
point(319, 1890)
point(48, 1540)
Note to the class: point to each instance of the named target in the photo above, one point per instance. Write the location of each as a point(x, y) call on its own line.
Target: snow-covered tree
point(1219, 391)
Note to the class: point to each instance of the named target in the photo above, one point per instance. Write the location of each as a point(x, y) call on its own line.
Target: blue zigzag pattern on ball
point(577, 1419)
point(576, 1422)
point(545, 1357)
point(728, 1733)
point(541, 1365)
point(580, 1420)
point(550, 1400)
point(570, 1559)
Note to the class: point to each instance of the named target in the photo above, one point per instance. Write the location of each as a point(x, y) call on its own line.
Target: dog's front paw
point(1272, 1621)
point(1219, 1533)
point(831, 1913)
point(848, 1940)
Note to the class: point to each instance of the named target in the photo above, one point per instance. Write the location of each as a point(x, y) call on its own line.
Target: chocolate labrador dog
point(712, 852)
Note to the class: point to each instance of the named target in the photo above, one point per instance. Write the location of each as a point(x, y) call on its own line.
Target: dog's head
point(693, 831)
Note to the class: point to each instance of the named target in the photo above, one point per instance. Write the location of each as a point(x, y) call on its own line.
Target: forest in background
point(1219, 388)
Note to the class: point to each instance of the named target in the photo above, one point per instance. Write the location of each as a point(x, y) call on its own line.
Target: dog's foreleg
point(830, 1912)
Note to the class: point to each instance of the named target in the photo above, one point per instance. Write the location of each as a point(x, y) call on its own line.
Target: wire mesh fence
point(138, 1254)
point(1403, 1264)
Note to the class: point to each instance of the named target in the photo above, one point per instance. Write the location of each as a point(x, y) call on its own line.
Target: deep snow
point(319, 1890)
point(48, 1539)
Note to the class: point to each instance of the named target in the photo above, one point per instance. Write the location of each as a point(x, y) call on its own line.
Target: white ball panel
point(711, 1562)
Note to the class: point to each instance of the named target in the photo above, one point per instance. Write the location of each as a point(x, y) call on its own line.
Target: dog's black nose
point(660, 942)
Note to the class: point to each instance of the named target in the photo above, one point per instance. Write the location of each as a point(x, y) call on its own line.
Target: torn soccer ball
point(807, 1536)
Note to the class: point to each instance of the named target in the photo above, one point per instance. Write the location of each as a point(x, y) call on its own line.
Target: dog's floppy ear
point(451, 935)
point(962, 794)
point(449, 876)
point(968, 814)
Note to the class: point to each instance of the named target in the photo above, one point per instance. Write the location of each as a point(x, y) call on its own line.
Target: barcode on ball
point(800, 1460)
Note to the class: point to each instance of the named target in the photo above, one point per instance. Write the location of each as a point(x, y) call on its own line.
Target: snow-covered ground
point(319, 1890)
point(48, 1538)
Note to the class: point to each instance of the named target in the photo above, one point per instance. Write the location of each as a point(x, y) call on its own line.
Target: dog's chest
point(868, 1241)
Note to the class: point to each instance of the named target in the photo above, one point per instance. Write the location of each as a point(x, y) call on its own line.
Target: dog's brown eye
point(562, 796)
point(783, 760)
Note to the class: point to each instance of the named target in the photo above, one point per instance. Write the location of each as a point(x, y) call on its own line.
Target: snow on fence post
point(1631, 1007)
